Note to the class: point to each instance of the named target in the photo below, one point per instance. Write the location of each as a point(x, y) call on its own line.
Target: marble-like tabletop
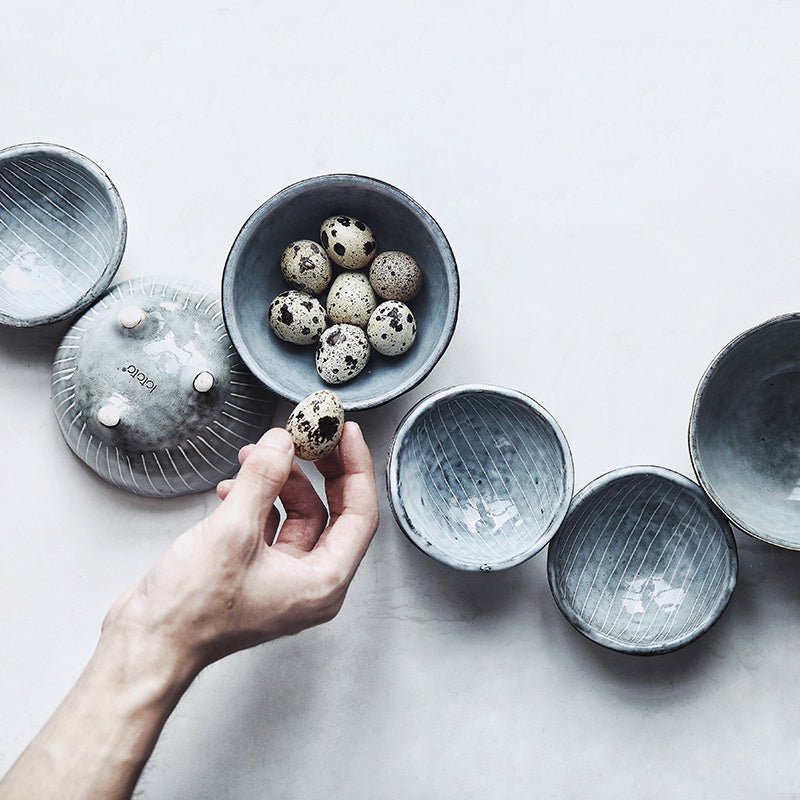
point(621, 185)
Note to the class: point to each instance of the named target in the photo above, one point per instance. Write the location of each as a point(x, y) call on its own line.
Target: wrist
point(141, 665)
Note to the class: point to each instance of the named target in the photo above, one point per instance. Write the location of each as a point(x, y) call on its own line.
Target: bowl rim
point(402, 431)
point(121, 233)
point(694, 450)
point(587, 493)
point(256, 218)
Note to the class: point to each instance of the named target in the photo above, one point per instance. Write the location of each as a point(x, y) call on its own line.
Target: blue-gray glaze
point(479, 477)
point(744, 432)
point(171, 439)
point(253, 278)
point(644, 563)
point(62, 234)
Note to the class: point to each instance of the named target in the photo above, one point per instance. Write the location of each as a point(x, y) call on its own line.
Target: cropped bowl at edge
point(744, 431)
point(253, 278)
point(62, 234)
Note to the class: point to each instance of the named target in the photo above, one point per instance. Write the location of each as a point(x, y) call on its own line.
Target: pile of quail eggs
point(352, 322)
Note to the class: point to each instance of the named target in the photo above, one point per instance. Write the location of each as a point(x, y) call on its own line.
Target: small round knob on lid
point(203, 382)
point(108, 415)
point(131, 316)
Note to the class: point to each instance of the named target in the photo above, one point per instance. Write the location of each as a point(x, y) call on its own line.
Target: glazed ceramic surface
point(150, 393)
point(745, 431)
point(253, 278)
point(479, 477)
point(644, 563)
point(62, 234)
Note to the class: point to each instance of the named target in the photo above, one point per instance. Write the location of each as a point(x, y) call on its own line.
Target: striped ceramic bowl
point(149, 392)
point(644, 562)
point(479, 477)
point(62, 234)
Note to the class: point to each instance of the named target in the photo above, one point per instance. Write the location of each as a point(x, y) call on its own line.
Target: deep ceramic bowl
point(744, 431)
point(644, 563)
point(62, 234)
point(253, 278)
point(479, 477)
point(149, 392)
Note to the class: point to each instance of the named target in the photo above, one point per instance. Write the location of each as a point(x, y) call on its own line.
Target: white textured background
point(621, 184)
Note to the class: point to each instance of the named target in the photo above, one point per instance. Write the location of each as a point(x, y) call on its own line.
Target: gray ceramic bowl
point(62, 234)
point(479, 477)
point(644, 563)
point(744, 431)
point(252, 279)
point(149, 392)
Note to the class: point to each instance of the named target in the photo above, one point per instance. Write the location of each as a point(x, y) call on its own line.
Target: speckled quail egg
point(392, 329)
point(395, 276)
point(306, 266)
point(351, 299)
point(348, 241)
point(297, 317)
point(316, 425)
point(342, 352)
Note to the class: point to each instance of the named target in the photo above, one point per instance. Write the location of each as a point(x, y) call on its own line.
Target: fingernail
point(278, 438)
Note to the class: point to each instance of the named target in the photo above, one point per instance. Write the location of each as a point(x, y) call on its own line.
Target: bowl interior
point(480, 479)
point(253, 278)
point(643, 562)
point(746, 432)
point(61, 235)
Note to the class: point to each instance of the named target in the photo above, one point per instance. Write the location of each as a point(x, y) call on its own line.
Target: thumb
point(260, 479)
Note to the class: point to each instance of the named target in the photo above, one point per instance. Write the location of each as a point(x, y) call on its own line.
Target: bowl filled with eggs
point(341, 282)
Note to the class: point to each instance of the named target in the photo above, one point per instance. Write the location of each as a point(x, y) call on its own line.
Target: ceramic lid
point(150, 393)
point(62, 234)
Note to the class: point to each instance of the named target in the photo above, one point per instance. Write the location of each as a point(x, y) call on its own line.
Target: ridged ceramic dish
point(62, 234)
point(479, 477)
point(644, 563)
point(253, 278)
point(151, 395)
point(744, 431)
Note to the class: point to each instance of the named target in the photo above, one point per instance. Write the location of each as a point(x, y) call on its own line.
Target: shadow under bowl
point(479, 477)
point(62, 234)
point(644, 563)
point(744, 431)
point(253, 278)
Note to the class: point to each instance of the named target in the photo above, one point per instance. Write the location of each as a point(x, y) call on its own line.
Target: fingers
point(244, 452)
point(306, 516)
point(224, 487)
point(263, 474)
point(353, 502)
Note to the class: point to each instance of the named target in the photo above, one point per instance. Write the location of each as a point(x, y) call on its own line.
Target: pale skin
point(224, 585)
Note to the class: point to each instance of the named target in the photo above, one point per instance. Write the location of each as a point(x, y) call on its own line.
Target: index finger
point(352, 501)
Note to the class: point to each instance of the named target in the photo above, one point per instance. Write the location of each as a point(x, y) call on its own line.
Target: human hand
point(223, 585)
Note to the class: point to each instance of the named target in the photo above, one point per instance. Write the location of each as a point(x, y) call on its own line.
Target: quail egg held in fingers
point(392, 328)
point(297, 317)
point(306, 266)
point(395, 276)
point(343, 351)
point(348, 242)
point(316, 425)
point(351, 299)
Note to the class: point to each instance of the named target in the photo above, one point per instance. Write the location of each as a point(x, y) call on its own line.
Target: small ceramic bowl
point(644, 563)
point(479, 477)
point(149, 392)
point(253, 278)
point(744, 431)
point(62, 234)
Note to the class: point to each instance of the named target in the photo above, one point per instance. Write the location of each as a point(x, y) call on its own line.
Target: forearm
point(99, 739)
